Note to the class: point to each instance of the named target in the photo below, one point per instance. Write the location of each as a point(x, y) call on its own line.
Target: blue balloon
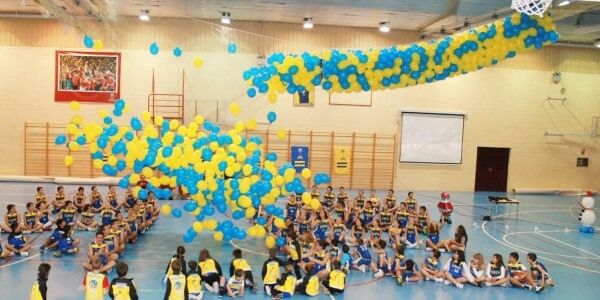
point(123, 183)
point(176, 212)
point(209, 210)
point(232, 47)
point(81, 140)
point(143, 194)
point(222, 208)
point(240, 235)
point(88, 41)
point(271, 156)
point(261, 220)
point(238, 214)
point(200, 217)
point(177, 52)
point(107, 120)
point(154, 48)
point(187, 238)
point(167, 193)
point(190, 206)
point(270, 209)
point(293, 70)
point(117, 112)
point(167, 152)
point(251, 92)
point(136, 124)
point(271, 117)
point(121, 165)
point(60, 139)
point(281, 241)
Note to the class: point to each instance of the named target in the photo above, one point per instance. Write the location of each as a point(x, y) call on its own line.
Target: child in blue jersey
point(44, 215)
point(539, 273)
point(433, 236)
point(321, 225)
point(319, 259)
point(411, 236)
point(17, 242)
point(383, 265)
point(457, 271)
point(411, 273)
point(430, 268)
point(398, 264)
point(368, 214)
point(67, 244)
point(363, 257)
point(52, 242)
point(69, 213)
point(337, 231)
point(291, 208)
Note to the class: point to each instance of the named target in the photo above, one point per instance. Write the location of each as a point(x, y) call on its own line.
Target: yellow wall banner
point(341, 160)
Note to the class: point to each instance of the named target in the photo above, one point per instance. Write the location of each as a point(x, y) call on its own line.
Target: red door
point(492, 169)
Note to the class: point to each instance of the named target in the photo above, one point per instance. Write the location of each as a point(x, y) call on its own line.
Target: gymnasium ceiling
point(578, 22)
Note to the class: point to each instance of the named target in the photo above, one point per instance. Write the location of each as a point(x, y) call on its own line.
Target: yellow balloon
point(315, 204)
point(218, 236)
point(247, 170)
point(251, 124)
point(198, 227)
point(74, 105)
point(270, 242)
point(147, 172)
point(68, 160)
point(112, 161)
point(134, 178)
point(97, 164)
point(250, 212)
point(77, 119)
point(98, 44)
point(73, 146)
point(210, 224)
point(244, 202)
point(235, 108)
point(198, 62)
point(306, 198)
point(279, 223)
point(251, 232)
point(272, 97)
point(279, 180)
point(281, 134)
point(260, 231)
point(239, 126)
point(146, 116)
point(158, 120)
point(165, 209)
point(306, 173)
point(173, 124)
point(199, 120)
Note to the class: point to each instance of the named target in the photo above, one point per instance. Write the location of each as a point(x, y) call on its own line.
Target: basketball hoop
point(531, 7)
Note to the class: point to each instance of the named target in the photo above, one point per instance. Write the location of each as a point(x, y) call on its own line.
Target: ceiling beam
point(451, 10)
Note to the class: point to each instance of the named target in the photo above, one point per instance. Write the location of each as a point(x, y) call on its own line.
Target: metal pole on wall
point(310, 150)
point(331, 156)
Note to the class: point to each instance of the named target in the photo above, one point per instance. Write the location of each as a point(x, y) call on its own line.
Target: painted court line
point(525, 249)
point(484, 229)
point(20, 261)
point(567, 244)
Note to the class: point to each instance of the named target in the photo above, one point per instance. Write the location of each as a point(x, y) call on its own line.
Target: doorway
point(491, 173)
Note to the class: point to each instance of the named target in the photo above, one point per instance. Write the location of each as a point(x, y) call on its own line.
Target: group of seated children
point(105, 216)
point(318, 237)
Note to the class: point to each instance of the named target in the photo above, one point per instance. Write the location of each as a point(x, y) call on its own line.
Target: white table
point(504, 201)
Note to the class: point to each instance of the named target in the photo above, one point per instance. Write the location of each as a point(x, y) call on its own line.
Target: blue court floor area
point(573, 259)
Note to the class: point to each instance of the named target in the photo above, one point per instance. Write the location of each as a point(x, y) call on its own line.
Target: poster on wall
point(304, 98)
point(342, 160)
point(87, 76)
point(299, 157)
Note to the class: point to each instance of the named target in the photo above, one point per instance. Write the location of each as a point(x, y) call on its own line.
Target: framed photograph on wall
point(87, 76)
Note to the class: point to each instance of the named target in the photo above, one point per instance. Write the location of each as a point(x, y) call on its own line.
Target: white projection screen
point(434, 138)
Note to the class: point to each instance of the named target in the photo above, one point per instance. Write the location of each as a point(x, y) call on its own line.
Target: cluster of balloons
point(587, 217)
point(89, 42)
point(401, 66)
point(223, 172)
point(177, 52)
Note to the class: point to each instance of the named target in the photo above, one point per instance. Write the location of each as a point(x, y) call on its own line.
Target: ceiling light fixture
point(597, 44)
point(564, 3)
point(144, 15)
point(384, 26)
point(308, 23)
point(226, 18)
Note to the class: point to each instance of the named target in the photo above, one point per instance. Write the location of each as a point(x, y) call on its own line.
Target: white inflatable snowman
point(587, 217)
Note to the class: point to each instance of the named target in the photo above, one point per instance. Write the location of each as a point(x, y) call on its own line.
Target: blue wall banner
point(300, 157)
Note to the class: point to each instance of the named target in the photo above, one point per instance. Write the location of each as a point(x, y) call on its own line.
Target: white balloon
point(587, 202)
point(588, 217)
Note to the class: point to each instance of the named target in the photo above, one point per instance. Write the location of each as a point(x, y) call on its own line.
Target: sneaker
point(363, 268)
point(446, 282)
point(378, 274)
point(400, 280)
point(438, 280)
point(527, 286)
point(506, 284)
point(488, 284)
point(91, 229)
point(428, 278)
point(538, 289)
point(57, 254)
point(42, 249)
point(23, 253)
point(442, 250)
point(460, 285)
point(428, 249)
